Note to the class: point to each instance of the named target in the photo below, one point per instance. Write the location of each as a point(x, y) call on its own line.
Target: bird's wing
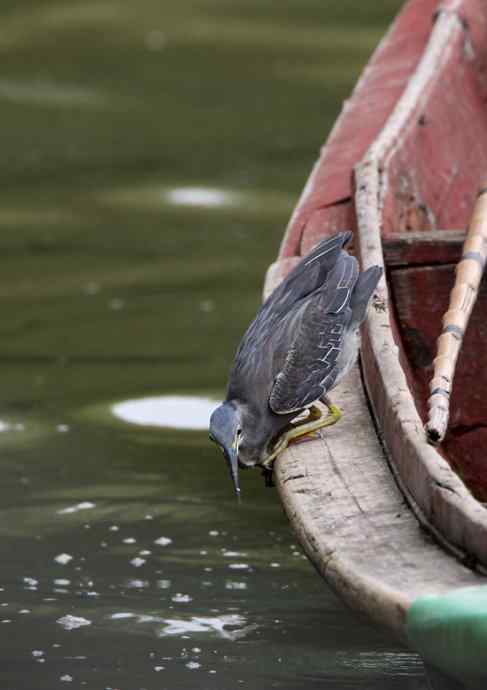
point(310, 367)
point(362, 292)
point(309, 275)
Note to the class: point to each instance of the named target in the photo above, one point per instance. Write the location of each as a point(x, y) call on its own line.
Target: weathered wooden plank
point(338, 491)
point(434, 166)
point(423, 248)
point(437, 493)
point(421, 297)
point(350, 516)
point(352, 519)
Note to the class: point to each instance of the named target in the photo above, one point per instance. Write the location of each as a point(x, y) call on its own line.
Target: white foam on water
point(137, 562)
point(122, 615)
point(70, 622)
point(173, 411)
point(230, 584)
point(217, 625)
point(137, 584)
point(239, 566)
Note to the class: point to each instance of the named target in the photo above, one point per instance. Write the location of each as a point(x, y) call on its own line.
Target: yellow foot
point(302, 439)
point(315, 420)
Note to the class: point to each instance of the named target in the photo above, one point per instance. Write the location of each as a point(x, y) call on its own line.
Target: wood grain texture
point(432, 248)
point(352, 519)
point(438, 495)
point(341, 496)
point(349, 515)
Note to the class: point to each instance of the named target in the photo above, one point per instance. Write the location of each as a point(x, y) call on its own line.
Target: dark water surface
point(151, 153)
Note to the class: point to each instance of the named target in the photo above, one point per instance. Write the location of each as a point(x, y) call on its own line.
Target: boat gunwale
point(350, 517)
point(340, 495)
point(437, 495)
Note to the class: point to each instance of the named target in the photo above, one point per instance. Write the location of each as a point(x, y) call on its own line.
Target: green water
point(114, 115)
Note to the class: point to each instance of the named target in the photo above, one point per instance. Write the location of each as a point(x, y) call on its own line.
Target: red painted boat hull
point(402, 168)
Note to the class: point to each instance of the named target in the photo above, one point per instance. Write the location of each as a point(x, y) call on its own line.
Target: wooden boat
point(401, 168)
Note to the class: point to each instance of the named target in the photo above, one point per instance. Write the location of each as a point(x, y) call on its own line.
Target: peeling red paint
point(429, 173)
point(319, 211)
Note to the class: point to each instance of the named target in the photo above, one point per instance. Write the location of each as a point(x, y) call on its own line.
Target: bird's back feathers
point(366, 284)
point(309, 275)
point(310, 368)
point(290, 355)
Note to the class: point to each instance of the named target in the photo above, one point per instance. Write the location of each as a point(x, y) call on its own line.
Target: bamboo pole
point(462, 298)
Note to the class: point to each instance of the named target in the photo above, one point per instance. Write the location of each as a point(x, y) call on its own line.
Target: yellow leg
point(315, 420)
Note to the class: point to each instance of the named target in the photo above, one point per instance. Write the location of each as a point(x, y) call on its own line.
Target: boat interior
point(431, 181)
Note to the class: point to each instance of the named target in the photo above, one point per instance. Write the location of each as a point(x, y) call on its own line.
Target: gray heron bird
point(302, 342)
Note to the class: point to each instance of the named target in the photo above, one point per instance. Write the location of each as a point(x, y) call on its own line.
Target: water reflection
point(162, 574)
point(148, 174)
point(18, 431)
point(174, 411)
point(201, 196)
point(46, 93)
point(84, 505)
point(149, 195)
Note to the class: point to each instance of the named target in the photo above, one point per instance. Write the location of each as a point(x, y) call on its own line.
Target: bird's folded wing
point(310, 368)
point(312, 362)
point(311, 273)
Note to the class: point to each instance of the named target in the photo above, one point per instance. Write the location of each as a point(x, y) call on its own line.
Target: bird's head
point(226, 431)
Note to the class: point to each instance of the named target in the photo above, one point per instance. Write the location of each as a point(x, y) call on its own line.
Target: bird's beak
point(232, 459)
point(225, 425)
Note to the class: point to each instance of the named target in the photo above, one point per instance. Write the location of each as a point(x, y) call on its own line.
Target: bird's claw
point(314, 421)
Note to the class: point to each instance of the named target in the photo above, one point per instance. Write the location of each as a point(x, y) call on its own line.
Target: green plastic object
point(450, 632)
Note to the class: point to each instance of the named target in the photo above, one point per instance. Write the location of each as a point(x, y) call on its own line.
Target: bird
point(303, 340)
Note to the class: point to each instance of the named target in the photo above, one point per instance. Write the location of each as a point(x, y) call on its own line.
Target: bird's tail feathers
point(337, 290)
point(327, 250)
point(362, 293)
point(310, 274)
